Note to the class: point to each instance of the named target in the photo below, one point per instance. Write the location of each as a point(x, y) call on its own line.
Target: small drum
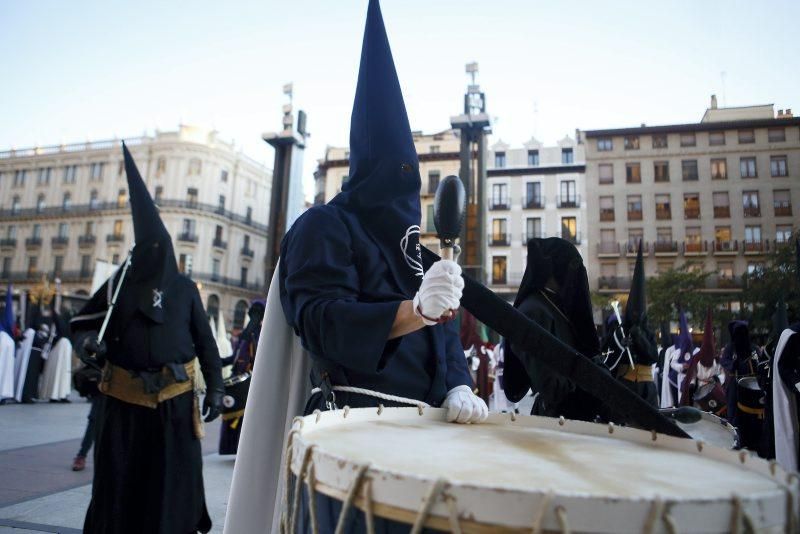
point(236, 389)
point(704, 426)
point(526, 473)
point(711, 398)
point(750, 396)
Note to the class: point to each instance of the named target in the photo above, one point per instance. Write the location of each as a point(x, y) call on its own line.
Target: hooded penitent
point(384, 184)
point(636, 308)
point(684, 341)
point(7, 320)
point(705, 357)
point(153, 266)
point(740, 339)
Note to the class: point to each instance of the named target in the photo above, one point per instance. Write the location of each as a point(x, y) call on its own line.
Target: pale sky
point(74, 70)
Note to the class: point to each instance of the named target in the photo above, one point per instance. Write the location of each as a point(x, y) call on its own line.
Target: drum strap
point(758, 412)
point(377, 395)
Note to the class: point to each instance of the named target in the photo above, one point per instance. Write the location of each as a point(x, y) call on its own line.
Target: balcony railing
point(76, 210)
point(247, 252)
point(219, 243)
point(59, 241)
point(569, 201)
point(227, 281)
point(606, 215)
point(86, 240)
point(33, 242)
point(634, 215)
point(695, 247)
point(608, 249)
point(188, 237)
point(574, 239)
point(499, 204)
point(36, 275)
point(506, 279)
point(726, 247)
point(691, 213)
point(632, 248)
point(8, 242)
point(663, 214)
point(613, 282)
point(665, 247)
point(722, 212)
point(535, 203)
point(755, 247)
point(498, 239)
point(783, 209)
point(115, 238)
point(724, 282)
point(752, 211)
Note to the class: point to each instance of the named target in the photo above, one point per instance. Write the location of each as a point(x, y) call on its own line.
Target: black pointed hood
point(384, 183)
point(153, 266)
point(636, 308)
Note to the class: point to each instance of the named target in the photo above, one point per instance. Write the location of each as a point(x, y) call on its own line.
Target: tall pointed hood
point(684, 341)
point(7, 320)
point(153, 266)
point(384, 183)
point(708, 349)
point(636, 308)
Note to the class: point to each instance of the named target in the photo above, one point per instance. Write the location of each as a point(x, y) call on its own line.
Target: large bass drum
point(528, 473)
point(710, 398)
point(236, 389)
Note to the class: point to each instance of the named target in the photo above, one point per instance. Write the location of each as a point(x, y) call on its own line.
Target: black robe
point(644, 353)
point(750, 426)
point(148, 465)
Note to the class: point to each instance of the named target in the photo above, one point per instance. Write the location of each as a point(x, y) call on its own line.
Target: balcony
point(606, 215)
point(499, 239)
point(535, 203)
point(33, 242)
point(663, 214)
point(569, 201)
point(499, 204)
point(724, 282)
point(220, 244)
point(722, 212)
point(216, 278)
point(691, 213)
point(783, 209)
point(608, 250)
point(247, 252)
point(752, 211)
point(188, 237)
point(632, 248)
point(613, 283)
point(8, 243)
point(574, 239)
point(115, 238)
point(86, 240)
point(634, 215)
point(695, 248)
point(665, 248)
point(59, 242)
point(726, 248)
point(755, 247)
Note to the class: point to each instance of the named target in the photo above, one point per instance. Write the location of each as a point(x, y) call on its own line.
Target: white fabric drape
point(784, 411)
point(21, 362)
point(6, 366)
point(57, 375)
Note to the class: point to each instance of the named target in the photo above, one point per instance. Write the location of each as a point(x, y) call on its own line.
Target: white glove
point(439, 292)
point(463, 406)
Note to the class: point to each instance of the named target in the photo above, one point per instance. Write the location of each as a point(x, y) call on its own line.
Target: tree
point(678, 289)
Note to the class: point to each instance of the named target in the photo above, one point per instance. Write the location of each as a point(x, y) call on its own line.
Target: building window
point(499, 232)
point(223, 176)
point(606, 173)
point(782, 202)
point(722, 206)
point(608, 237)
point(191, 195)
point(776, 135)
point(631, 142)
point(11, 232)
point(533, 195)
point(44, 176)
point(122, 198)
point(36, 232)
point(185, 262)
point(663, 208)
point(215, 267)
point(221, 204)
point(93, 202)
point(634, 207)
point(607, 209)
point(750, 204)
point(246, 242)
point(118, 228)
point(212, 307)
point(661, 171)
point(688, 139)
point(716, 138)
point(63, 230)
point(633, 173)
point(66, 203)
point(499, 197)
point(533, 228)
point(86, 265)
point(188, 228)
point(430, 225)
point(693, 238)
point(660, 141)
point(19, 177)
point(40, 203)
point(569, 196)
point(783, 233)
point(499, 275)
point(70, 172)
point(689, 170)
point(499, 159)
point(435, 149)
point(218, 233)
point(691, 205)
point(6, 267)
point(604, 144)
point(96, 171)
point(723, 237)
point(635, 236)
point(195, 166)
point(248, 215)
point(533, 158)
point(567, 156)
point(58, 265)
point(161, 166)
point(158, 193)
point(433, 181)
point(719, 169)
point(747, 167)
point(569, 229)
point(777, 166)
point(752, 234)
point(15, 204)
point(32, 265)
point(663, 237)
point(89, 228)
point(243, 276)
point(747, 136)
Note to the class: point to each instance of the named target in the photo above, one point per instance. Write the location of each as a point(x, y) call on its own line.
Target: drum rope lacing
point(377, 395)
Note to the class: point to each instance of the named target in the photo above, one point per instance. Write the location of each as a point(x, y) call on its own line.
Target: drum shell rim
point(406, 490)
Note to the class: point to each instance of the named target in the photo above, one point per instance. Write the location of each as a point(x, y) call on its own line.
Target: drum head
point(749, 382)
point(500, 473)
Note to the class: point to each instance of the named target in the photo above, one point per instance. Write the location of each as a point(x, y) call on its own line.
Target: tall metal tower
point(287, 199)
point(474, 125)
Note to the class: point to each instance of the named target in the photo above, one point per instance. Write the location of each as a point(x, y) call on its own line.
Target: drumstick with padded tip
point(449, 208)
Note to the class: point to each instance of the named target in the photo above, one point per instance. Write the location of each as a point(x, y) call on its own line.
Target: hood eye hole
point(405, 167)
